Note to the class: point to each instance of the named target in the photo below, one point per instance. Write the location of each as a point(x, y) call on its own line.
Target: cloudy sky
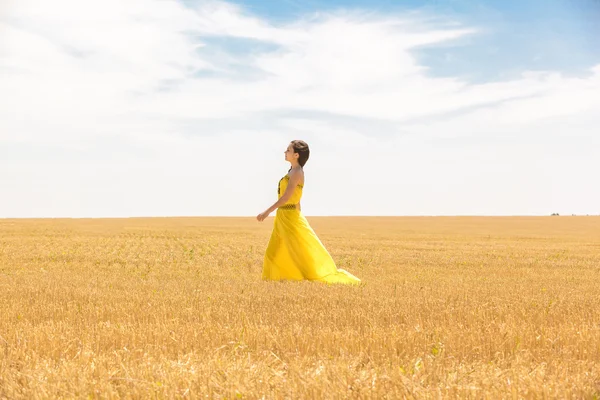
point(120, 108)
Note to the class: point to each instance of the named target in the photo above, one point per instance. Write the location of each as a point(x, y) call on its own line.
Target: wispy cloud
point(166, 93)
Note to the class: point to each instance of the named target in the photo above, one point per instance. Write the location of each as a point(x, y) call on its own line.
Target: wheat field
point(450, 307)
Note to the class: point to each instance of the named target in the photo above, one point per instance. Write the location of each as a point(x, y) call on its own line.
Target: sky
point(185, 107)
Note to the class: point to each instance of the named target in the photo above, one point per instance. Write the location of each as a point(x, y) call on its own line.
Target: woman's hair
point(301, 148)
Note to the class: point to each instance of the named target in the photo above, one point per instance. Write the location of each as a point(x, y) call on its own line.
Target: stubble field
point(175, 308)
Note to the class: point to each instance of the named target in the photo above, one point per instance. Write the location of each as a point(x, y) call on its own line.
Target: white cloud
point(133, 108)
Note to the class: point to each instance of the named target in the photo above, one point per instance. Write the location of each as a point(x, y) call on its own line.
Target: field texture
point(175, 308)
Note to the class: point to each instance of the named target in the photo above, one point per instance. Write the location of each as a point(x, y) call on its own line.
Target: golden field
point(451, 307)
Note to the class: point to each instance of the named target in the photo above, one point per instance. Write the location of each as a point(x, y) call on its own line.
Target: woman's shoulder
point(296, 171)
point(296, 174)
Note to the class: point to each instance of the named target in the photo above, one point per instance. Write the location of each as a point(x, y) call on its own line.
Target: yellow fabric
point(295, 252)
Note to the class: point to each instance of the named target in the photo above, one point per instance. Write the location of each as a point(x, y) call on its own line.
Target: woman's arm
point(295, 179)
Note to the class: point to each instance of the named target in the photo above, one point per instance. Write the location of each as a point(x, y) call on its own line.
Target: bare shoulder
point(296, 176)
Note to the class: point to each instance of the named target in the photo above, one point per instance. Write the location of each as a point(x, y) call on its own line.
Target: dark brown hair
point(302, 149)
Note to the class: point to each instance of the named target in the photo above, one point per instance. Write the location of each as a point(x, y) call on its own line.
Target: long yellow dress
point(294, 251)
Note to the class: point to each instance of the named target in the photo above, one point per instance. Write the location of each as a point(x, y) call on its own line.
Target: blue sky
point(168, 107)
point(516, 35)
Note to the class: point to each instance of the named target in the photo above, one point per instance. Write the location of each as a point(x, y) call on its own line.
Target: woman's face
point(289, 153)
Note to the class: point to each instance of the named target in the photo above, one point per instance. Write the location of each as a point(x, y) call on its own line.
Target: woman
point(294, 251)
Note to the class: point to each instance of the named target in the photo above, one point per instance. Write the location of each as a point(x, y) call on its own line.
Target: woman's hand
point(261, 217)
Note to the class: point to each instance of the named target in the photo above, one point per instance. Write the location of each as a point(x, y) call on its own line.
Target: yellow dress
point(294, 251)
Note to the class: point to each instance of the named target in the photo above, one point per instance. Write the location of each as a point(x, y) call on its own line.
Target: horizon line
point(318, 216)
